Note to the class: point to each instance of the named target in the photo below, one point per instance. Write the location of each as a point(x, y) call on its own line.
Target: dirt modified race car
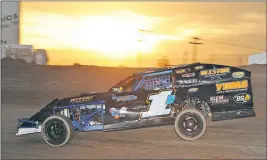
point(183, 96)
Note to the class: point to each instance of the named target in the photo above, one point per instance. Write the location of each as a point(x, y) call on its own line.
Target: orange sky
point(106, 34)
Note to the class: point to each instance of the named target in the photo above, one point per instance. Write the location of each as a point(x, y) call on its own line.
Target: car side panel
point(139, 109)
point(227, 90)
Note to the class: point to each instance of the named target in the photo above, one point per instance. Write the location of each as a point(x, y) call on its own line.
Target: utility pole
point(195, 43)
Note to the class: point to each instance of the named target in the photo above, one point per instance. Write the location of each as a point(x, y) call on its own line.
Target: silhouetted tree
point(76, 64)
point(163, 62)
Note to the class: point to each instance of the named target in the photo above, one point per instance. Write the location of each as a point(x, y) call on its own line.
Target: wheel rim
point(190, 124)
point(56, 131)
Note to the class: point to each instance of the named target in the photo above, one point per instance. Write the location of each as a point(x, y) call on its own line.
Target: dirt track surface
point(27, 88)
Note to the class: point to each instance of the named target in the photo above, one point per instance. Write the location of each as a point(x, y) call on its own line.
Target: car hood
point(83, 98)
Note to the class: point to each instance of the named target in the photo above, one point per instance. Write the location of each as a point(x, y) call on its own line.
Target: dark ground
point(27, 88)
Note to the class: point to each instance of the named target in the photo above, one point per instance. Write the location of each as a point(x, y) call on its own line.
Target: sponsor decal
point(218, 71)
point(232, 86)
point(191, 90)
point(81, 99)
point(189, 75)
point(187, 81)
point(116, 113)
point(238, 74)
point(183, 70)
point(219, 100)
point(118, 89)
point(125, 98)
point(242, 98)
point(199, 67)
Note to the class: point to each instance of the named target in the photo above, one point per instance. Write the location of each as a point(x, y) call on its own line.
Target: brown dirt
point(27, 88)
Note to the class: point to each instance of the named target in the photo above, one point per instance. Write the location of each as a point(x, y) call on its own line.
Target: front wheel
point(57, 130)
point(190, 124)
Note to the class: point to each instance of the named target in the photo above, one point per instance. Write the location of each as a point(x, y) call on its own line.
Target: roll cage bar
point(135, 80)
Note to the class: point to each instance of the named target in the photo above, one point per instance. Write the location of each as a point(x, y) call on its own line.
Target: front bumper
point(31, 127)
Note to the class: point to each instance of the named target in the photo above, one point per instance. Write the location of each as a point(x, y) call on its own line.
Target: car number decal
point(159, 103)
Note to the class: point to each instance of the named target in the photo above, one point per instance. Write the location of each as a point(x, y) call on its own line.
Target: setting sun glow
point(115, 35)
point(139, 33)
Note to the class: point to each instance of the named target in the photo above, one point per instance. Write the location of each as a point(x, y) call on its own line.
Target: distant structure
point(259, 58)
point(40, 57)
point(10, 44)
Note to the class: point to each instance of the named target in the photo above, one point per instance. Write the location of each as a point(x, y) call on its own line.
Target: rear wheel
point(57, 130)
point(190, 124)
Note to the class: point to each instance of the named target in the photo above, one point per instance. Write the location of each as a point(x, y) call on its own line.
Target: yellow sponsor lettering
point(232, 85)
point(204, 72)
point(215, 71)
point(81, 99)
point(183, 70)
point(180, 71)
point(199, 67)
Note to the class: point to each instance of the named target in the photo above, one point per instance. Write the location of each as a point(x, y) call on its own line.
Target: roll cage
point(135, 82)
point(130, 83)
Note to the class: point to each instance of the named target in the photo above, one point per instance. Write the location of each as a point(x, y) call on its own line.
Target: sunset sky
point(106, 34)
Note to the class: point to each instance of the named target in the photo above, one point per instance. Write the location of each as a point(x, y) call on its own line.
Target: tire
point(182, 126)
point(64, 135)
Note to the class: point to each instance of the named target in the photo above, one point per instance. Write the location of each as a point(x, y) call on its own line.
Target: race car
point(184, 96)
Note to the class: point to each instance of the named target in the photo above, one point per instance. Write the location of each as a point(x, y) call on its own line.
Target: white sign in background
point(10, 22)
point(9, 25)
point(259, 58)
point(10, 47)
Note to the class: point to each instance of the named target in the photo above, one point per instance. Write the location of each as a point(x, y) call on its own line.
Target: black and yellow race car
point(183, 96)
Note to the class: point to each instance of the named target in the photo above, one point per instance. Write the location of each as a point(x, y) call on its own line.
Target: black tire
point(190, 124)
point(57, 137)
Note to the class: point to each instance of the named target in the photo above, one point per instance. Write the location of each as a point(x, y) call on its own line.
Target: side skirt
point(139, 124)
point(218, 116)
